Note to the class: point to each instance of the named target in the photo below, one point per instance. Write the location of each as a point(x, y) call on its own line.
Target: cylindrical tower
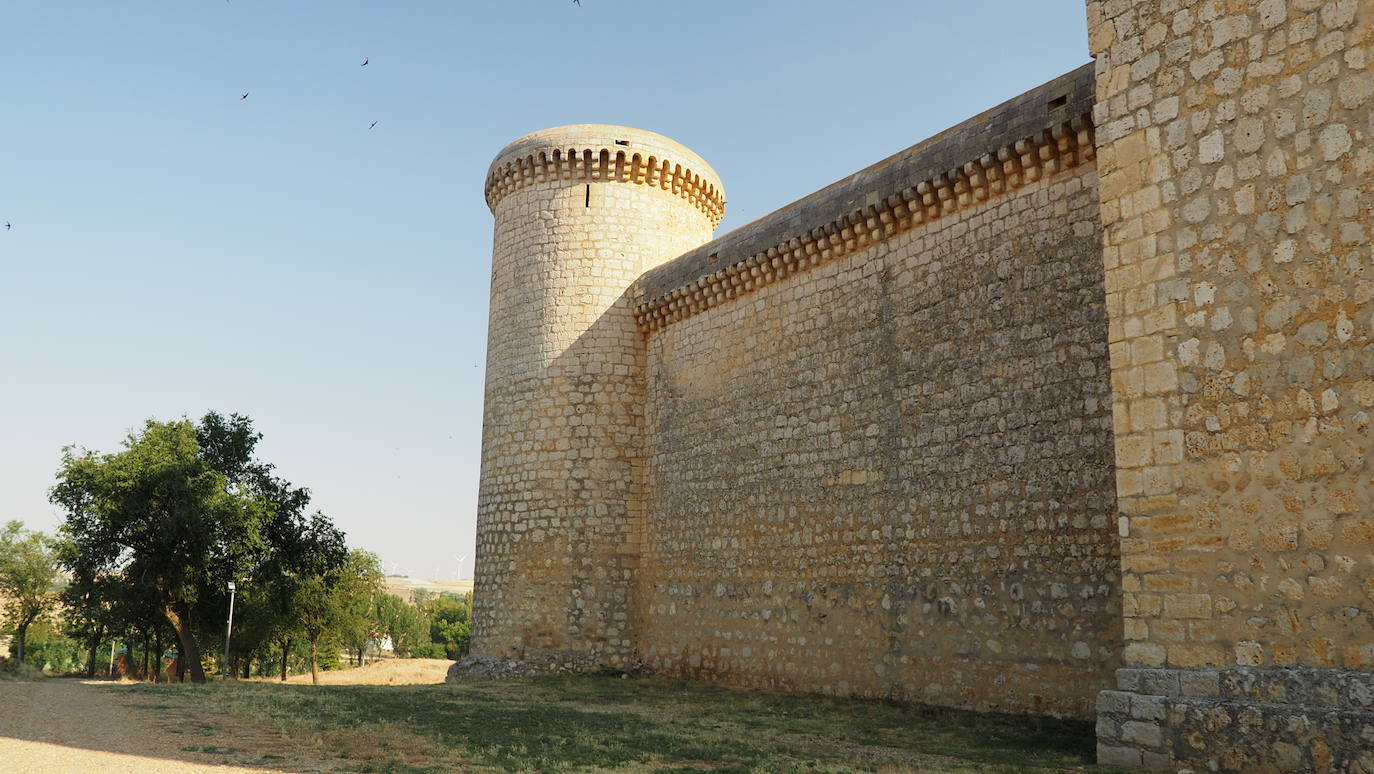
point(581, 212)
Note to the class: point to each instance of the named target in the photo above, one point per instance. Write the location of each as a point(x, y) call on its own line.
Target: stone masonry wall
point(581, 212)
point(1237, 189)
point(890, 474)
point(1083, 382)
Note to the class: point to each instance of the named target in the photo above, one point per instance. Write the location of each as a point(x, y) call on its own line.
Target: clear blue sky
point(176, 249)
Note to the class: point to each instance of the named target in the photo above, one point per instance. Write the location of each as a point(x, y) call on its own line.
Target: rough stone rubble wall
point(821, 444)
point(1237, 189)
point(890, 474)
point(561, 495)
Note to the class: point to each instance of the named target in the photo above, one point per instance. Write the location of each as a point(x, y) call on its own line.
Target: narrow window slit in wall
point(626, 143)
point(1058, 102)
point(588, 203)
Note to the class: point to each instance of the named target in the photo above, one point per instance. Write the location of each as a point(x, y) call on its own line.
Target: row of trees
point(155, 533)
point(28, 574)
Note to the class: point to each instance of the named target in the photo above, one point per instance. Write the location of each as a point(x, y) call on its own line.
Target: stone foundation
point(1239, 719)
point(530, 664)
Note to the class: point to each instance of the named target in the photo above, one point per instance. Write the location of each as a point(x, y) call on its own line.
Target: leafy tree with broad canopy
point(406, 625)
point(182, 510)
point(28, 572)
point(337, 600)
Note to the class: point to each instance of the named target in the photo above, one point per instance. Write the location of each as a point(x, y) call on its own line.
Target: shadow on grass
point(570, 723)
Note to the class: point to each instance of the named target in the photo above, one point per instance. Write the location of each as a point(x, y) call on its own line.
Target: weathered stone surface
point(891, 475)
point(478, 667)
point(1236, 204)
point(1047, 394)
point(579, 217)
point(1258, 718)
point(877, 465)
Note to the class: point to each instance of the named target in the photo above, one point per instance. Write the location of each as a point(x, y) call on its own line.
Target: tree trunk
point(157, 660)
point(143, 672)
point(247, 668)
point(314, 662)
point(19, 639)
point(285, 653)
point(95, 646)
point(188, 658)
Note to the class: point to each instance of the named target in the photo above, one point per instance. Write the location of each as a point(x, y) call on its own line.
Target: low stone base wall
point(531, 663)
point(1239, 719)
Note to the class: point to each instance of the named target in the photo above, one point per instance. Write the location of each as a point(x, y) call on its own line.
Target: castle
point(1062, 411)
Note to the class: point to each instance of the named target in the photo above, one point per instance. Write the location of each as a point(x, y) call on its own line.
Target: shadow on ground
point(544, 724)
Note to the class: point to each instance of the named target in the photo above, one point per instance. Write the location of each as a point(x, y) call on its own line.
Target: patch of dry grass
point(395, 671)
point(637, 724)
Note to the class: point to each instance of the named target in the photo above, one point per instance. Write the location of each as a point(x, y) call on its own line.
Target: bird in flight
point(364, 64)
point(243, 96)
point(577, 3)
point(374, 123)
point(7, 225)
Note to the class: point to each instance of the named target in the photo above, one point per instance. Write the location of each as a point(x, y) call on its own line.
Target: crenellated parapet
point(621, 155)
point(984, 158)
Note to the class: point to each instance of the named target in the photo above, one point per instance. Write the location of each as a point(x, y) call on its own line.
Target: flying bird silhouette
point(243, 96)
point(364, 64)
point(7, 225)
point(374, 123)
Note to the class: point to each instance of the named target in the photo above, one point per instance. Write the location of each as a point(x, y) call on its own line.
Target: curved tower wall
point(581, 212)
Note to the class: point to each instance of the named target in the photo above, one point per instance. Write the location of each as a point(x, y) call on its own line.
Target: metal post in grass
point(229, 630)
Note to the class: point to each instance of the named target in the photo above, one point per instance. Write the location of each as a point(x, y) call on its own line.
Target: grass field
point(635, 724)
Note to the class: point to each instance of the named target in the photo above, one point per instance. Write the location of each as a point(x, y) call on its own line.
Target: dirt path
point(58, 726)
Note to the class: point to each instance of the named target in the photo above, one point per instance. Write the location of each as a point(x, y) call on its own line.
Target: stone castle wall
point(1237, 191)
point(890, 473)
point(1081, 383)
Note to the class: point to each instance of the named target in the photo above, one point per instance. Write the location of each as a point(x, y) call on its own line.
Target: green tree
point(88, 610)
point(451, 623)
point(28, 572)
point(406, 625)
point(359, 624)
point(327, 602)
point(181, 510)
point(309, 555)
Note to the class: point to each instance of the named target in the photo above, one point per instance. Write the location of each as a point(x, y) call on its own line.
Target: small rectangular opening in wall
point(588, 202)
point(626, 143)
point(1059, 102)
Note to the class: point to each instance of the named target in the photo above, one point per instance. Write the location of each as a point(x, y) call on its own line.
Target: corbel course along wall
point(879, 443)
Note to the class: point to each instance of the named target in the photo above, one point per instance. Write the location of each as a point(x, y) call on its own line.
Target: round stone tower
point(581, 212)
